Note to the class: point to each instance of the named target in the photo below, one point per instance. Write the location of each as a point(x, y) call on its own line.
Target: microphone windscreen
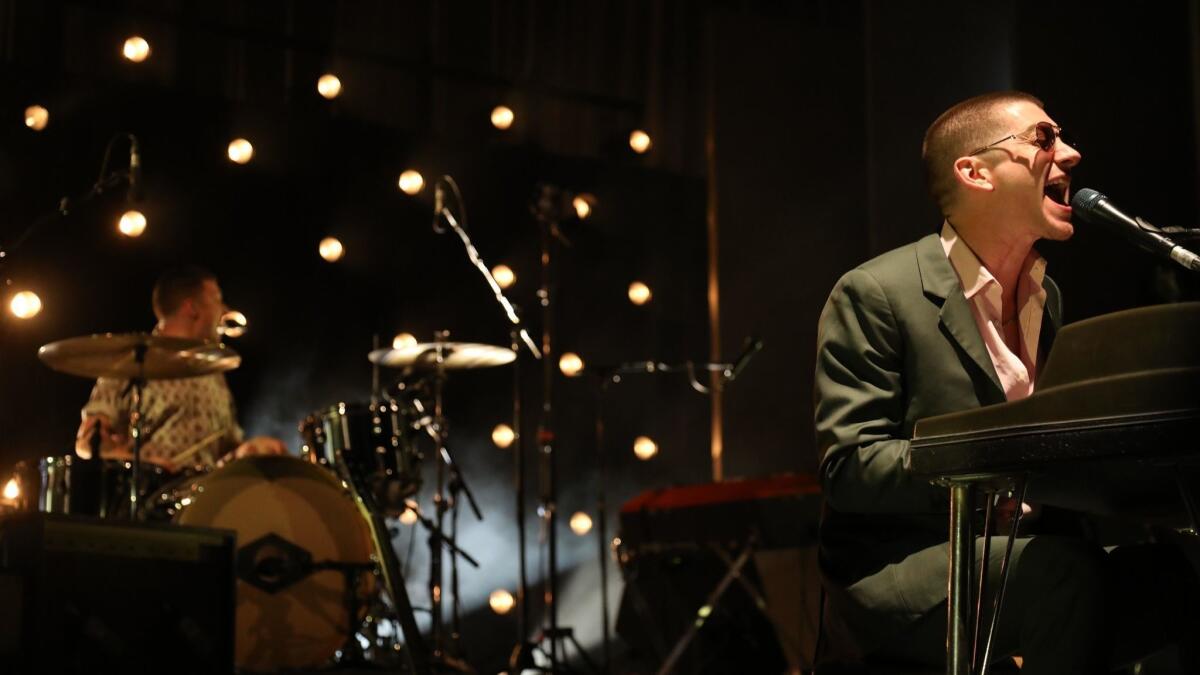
point(1085, 200)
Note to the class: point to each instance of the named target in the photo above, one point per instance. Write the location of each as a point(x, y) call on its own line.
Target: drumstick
point(194, 448)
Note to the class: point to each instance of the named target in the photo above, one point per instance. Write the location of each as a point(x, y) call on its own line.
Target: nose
point(1066, 156)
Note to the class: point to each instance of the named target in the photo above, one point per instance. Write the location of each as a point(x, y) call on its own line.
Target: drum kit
point(315, 564)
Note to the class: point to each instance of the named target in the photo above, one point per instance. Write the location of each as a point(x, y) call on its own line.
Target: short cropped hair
point(964, 127)
point(177, 285)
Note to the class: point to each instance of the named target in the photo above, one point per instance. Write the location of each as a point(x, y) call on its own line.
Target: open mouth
point(1058, 192)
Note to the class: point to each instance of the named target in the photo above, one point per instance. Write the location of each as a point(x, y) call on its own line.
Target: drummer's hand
point(110, 440)
point(260, 445)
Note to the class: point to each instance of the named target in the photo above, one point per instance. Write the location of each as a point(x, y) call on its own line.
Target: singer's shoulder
point(900, 265)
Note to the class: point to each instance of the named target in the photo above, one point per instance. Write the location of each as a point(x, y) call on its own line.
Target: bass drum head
point(303, 623)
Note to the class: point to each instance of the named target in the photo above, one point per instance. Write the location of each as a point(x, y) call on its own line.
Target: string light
point(583, 205)
point(639, 141)
point(411, 182)
point(501, 601)
point(329, 86)
point(505, 277)
point(25, 305)
point(502, 117)
point(503, 436)
point(644, 447)
point(132, 224)
point(404, 341)
point(136, 49)
point(409, 517)
point(639, 293)
point(36, 117)
point(570, 364)
point(331, 249)
point(240, 151)
point(12, 489)
point(581, 523)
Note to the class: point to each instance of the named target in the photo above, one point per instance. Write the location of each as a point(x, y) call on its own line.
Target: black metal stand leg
point(1004, 569)
point(958, 602)
point(983, 577)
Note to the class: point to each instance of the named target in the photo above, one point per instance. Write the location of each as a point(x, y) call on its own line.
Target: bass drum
point(294, 521)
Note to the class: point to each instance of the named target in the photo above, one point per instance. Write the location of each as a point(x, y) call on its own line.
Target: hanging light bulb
point(331, 249)
point(570, 364)
point(504, 275)
point(581, 523)
point(404, 341)
point(501, 601)
point(583, 205)
point(12, 489)
point(502, 117)
point(329, 86)
point(411, 182)
point(644, 447)
point(639, 141)
point(132, 224)
point(36, 117)
point(639, 293)
point(136, 49)
point(503, 436)
point(240, 151)
point(25, 305)
point(409, 517)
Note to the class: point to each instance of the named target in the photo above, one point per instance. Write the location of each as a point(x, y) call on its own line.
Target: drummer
point(186, 422)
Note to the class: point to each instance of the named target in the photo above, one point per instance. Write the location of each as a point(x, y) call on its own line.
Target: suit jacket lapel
point(940, 281)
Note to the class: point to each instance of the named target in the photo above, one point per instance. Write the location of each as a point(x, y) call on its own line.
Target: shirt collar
point(974, 275)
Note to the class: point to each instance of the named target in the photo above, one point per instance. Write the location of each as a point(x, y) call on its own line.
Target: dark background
point(797, 123)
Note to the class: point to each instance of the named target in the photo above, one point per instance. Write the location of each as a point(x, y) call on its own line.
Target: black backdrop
point(813, 112)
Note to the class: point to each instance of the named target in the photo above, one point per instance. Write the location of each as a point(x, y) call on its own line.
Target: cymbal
point(113, 355)
point(456, 356)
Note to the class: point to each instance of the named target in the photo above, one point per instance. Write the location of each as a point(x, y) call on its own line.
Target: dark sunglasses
point(1045, 135)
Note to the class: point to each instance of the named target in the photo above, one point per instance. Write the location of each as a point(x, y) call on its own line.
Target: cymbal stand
point(438, 430)
point(135, 429)
point(457, 485)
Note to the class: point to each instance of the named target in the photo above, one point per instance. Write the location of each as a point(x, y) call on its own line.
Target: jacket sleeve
point(860, 405)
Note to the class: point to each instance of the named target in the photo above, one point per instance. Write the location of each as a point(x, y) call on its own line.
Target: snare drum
point(374, 442)
point(297, 530)
point(69, 484)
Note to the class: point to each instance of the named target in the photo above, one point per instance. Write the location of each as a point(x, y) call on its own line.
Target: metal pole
point(958, 604)
point(602, 520)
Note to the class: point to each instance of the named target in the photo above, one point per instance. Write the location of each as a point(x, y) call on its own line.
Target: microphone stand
point(607, 375)
point(519, 335)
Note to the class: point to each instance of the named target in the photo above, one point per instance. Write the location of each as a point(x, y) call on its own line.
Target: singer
point(959, 319)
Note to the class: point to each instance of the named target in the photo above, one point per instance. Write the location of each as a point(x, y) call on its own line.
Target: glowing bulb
point(408, 517)
point(502, 117)
point(570, 364)
point(329, 86)
point(501, 601)
point(132, 224)
point(136, 49)
point(411, 182)
point(504, 275)
point(331, 249)
point(581, 523)
point(404, 341)
point(639, 293)
point(583, 205)
point(25, 305)
point(639, 141)
point(36, 117)
point(12, 489)
point(503, 436)
point(644, 447)
point(240, 151)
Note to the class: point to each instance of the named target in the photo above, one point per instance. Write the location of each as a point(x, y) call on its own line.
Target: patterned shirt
point(185, 422)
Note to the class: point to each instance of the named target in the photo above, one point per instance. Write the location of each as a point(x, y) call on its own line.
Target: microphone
point(439, 198)
point(135, 171)
point(1095, 209)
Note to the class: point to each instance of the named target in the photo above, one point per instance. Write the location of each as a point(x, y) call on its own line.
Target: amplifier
point(84, 595)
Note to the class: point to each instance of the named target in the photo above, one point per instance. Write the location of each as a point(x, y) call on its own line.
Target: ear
point(973, 174)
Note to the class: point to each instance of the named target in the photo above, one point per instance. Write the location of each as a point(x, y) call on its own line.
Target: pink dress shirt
point(1016, 370)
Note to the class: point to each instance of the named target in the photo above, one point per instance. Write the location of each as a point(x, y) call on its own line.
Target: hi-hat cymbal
point(456, 356)
point(114, 355)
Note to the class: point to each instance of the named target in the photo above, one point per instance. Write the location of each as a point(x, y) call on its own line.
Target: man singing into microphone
point(959, 319)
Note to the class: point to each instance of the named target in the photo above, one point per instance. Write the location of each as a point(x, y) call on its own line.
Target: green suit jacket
point(896, 343)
